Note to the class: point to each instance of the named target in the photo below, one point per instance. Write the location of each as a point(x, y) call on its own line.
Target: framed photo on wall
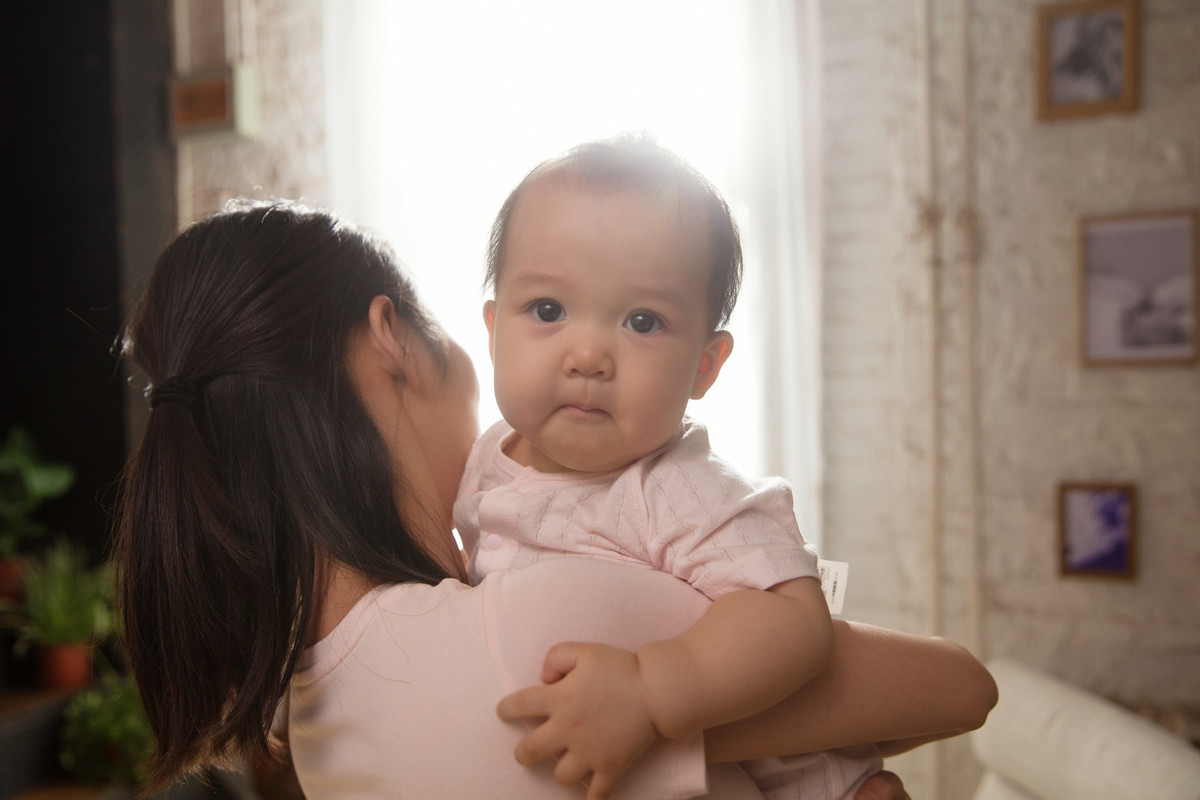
point(1139, 289)
point(1097, 529)
point(1087, 58)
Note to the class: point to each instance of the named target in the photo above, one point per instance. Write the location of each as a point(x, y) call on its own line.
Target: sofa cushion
point(1059, 742)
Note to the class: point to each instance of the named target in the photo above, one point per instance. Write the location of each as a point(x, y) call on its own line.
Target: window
point(436, 110)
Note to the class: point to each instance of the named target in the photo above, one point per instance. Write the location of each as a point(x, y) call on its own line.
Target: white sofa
point(1049, 740)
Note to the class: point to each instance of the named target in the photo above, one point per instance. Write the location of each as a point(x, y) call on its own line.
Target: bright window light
point(437, 110)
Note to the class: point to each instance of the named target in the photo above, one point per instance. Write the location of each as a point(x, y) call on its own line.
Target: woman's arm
point(880, 686)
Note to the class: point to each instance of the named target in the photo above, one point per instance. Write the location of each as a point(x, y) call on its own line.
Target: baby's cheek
point(518, 383)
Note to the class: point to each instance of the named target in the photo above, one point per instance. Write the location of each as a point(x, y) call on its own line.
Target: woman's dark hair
point(637, 161)
point(258, 460)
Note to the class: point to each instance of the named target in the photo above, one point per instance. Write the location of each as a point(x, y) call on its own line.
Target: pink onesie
point(680, 509)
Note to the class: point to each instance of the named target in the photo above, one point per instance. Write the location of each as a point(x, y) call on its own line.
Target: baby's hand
point(595, 718)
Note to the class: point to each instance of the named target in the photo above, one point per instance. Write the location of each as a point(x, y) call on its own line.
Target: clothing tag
point(834, 575)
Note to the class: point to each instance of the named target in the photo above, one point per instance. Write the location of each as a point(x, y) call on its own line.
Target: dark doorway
point(59, 263)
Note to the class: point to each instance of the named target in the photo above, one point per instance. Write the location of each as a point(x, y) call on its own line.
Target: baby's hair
point(637, 161)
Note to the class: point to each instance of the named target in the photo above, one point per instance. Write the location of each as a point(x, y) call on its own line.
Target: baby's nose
point(589, 356)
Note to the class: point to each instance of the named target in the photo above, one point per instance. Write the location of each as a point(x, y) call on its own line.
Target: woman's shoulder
point(377, 614)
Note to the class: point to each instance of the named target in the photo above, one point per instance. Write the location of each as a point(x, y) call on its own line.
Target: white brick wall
point(1043, 418)
point(288, 159)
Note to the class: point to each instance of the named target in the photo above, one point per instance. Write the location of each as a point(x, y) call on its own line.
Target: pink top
point(399, 700)
point(681, 510)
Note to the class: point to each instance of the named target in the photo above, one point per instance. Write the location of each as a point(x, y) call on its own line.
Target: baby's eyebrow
point(667, 295)
point(537, 279)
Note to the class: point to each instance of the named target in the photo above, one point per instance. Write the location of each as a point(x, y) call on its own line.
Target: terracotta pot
point(65, 666)
point(12, 579)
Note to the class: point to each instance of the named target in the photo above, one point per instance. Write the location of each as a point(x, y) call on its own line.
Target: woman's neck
point(440, 545)
point(339, 588)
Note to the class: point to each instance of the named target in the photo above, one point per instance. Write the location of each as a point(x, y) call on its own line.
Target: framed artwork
point(224, 101)
point(1139, 289)
point(1087, 58)
point(1097, 529)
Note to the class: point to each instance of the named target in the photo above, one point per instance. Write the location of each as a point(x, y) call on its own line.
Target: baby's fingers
point(524, 704)
point(560, 660)
point(600, 787)
point(540, 744)
point(571, 770)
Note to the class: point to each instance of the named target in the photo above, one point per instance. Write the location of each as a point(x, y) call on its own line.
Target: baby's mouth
point(582, 411)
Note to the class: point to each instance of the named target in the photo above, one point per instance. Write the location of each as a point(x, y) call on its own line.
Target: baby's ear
point(489, 319)
point(715, 354)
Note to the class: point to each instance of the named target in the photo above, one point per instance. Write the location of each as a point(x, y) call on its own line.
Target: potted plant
point(67, 609)
point(25, 483)
point(105, 737)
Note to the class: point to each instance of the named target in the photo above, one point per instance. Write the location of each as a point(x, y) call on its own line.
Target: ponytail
point(258, 460)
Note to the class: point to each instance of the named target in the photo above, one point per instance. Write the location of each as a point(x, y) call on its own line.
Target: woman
point(286, 530)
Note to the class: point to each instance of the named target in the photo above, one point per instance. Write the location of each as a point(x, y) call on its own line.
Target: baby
point(614, 269)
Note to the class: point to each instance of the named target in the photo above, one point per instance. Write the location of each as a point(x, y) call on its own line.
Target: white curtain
point(783, 242)
point(436, 110)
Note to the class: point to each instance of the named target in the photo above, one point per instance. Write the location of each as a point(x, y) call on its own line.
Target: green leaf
point(48, 480)
point(25, 483)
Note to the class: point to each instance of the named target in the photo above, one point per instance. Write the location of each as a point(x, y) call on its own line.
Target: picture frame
point(221, 102)
point(1139, 289)
point(1088, 57)
point(1097, 529)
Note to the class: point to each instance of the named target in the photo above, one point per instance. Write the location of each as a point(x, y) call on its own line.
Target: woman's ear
point(387, 337)
point(711, 360)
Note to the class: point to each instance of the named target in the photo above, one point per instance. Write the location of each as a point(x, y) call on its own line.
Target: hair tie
point(174, 390)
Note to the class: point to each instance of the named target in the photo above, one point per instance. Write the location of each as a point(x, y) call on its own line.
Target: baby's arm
point(604, 706)
point(750, 650)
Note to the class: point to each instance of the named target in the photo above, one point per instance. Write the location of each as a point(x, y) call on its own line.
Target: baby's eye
point(547, 310)
point(643, 322)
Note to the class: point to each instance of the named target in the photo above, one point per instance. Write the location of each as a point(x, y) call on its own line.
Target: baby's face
point(600, 327)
